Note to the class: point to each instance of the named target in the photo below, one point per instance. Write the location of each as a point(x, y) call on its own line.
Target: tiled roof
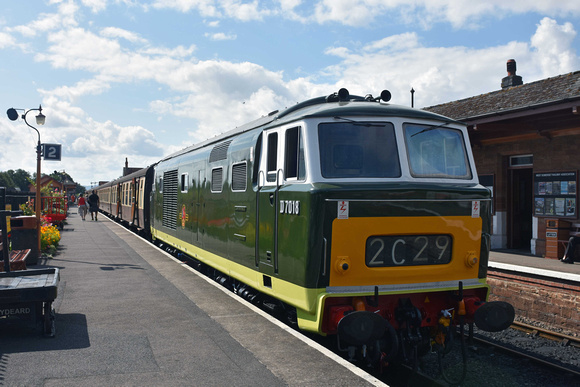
point(550, 90)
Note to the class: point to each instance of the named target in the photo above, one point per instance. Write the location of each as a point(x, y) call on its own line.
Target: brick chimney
point(512, 79)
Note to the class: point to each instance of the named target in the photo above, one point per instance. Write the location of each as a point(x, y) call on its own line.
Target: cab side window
point(294, 155)
point(272, 160)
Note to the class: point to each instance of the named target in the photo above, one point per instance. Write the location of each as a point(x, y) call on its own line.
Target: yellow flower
point(49, 236)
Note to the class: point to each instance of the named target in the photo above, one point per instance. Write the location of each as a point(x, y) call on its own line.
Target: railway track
point(530, 355)
point(547, 334)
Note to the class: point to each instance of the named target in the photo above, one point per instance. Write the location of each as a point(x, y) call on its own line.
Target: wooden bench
point(17, 258)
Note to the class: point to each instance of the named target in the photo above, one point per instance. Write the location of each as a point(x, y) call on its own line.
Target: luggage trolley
point(26, 295)
point(55, 209)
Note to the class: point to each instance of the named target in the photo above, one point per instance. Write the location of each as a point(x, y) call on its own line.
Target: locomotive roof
point(321, 107)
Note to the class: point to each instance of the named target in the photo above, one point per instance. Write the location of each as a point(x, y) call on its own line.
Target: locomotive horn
point(386, 95)
point(342, 95)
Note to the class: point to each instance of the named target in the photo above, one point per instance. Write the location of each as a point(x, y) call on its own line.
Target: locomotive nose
point(494, 316)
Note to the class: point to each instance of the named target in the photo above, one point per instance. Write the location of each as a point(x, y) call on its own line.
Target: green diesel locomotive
point(355, 217)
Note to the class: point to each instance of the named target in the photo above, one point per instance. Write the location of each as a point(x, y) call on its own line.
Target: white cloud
point(363, 13)
point(65, 17)
point(177, 52)
point(439, 75)
point(207, 97)
point(240, 10)
point(206, 8)
point(114, 32)
point(95, 5)
point(221, 36)
point(71, 93)
point(554, 44)
point(6, 40)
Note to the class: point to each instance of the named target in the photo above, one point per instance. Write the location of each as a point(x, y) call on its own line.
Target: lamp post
point(40, 118)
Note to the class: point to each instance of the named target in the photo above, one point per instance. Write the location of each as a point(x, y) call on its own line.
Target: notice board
point(555, 194)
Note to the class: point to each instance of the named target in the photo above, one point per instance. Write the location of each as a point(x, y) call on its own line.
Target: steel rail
point(527, 356)
point(547, 334)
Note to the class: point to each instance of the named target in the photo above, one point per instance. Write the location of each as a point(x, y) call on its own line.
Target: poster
point(555, 194)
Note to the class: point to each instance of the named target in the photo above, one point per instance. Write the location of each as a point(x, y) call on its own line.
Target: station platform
point(128, 314)
point(530, 264)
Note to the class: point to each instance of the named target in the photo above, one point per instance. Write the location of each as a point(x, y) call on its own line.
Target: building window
point(522, 161)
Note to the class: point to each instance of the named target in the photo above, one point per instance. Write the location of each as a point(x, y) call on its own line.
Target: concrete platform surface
point(526, 263)
point(130, 315)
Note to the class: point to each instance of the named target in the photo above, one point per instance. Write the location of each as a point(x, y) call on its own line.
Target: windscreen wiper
point(359, 123)
point(430, 129)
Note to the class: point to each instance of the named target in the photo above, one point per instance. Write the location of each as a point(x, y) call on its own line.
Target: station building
point(526, 144)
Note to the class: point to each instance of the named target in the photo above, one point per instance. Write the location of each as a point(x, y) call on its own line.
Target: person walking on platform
point(94, 205)
point(570, 249)
point(82, 207)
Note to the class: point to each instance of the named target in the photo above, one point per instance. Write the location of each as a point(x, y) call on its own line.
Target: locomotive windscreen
point(436, 152)
point(359, 150)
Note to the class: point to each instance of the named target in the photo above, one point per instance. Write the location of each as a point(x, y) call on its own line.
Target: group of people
point(89, 203)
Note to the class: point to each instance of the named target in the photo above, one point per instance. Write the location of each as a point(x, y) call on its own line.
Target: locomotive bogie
point(429, 304)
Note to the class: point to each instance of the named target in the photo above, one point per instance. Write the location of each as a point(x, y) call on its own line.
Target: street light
point(40, 118)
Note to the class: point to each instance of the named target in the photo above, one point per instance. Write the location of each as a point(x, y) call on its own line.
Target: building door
point(520, 202)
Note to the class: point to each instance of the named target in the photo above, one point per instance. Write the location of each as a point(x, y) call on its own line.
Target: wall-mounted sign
point(555, 194)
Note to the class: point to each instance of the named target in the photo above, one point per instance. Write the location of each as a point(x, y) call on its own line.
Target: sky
point(141, 79)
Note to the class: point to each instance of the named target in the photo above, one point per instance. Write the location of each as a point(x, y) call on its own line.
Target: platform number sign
point(52, 151)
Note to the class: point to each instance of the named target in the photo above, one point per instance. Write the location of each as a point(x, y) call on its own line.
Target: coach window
point(141, 192)
point(294, 155)
point(184, 182)
point(131, 195)
point(272, 157)
point(160, 184)
point(216, 180)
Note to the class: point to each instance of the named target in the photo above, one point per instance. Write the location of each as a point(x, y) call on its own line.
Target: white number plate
point(408, 250)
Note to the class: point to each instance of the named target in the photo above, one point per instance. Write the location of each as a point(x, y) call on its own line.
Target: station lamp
point(40, 118)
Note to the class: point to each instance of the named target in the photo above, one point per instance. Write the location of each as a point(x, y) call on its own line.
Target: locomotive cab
point(377, 212)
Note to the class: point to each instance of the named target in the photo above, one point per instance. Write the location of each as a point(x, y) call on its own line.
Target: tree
point(21, 178)
point(61, 176)
point(6, 181)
